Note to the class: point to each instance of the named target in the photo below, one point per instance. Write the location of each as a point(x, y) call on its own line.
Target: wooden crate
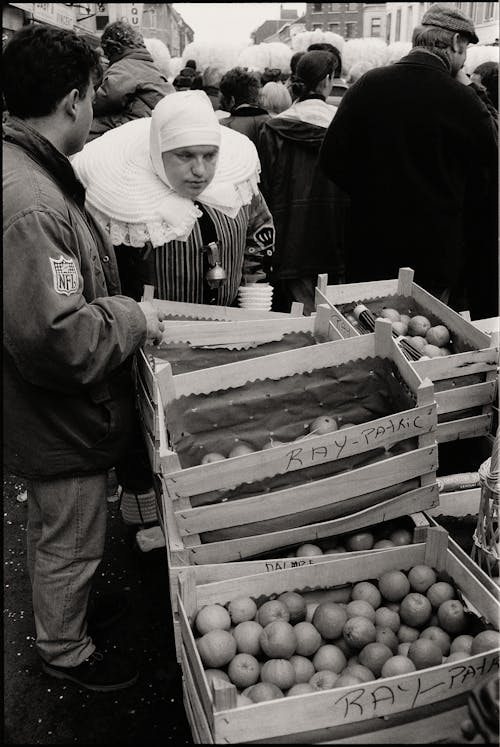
point(178, 558)
point(463, 381)
point(350, 713)
point(180, 485)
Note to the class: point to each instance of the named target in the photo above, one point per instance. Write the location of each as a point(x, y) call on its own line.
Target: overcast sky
point(212, 22)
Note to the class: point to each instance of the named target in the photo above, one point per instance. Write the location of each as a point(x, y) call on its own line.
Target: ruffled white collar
point(312, 111)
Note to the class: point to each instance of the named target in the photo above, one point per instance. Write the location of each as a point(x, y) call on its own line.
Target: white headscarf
point(128, 190)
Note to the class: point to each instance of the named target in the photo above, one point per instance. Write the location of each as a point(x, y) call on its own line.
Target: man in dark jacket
point(240, 94)
point(68, 341)
point(416, 150)
point(132, 85)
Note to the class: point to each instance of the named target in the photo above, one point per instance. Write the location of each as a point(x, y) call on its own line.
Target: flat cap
point(451, 19)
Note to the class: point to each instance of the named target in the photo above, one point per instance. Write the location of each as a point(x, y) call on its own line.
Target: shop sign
point(131, 12)
point(55, 14)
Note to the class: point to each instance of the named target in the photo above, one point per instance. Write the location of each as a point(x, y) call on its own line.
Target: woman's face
point(190, 170)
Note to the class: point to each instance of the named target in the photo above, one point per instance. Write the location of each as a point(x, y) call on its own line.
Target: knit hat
point(450, 19)
point(127, 189)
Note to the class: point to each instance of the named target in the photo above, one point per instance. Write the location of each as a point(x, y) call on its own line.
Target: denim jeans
point(66, 533)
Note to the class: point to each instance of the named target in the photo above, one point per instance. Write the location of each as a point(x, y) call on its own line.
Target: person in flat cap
point(421, 169)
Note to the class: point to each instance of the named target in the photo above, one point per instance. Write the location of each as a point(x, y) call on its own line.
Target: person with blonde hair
point(275, 98)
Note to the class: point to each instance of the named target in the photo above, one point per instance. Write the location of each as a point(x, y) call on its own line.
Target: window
point(409, 22)
point(350, 30)
point(334, 7)
point(317, 8)
point(489, 11)
point(376, 26)
point(317, 26)
point(335, 27)
point(388, 28)
point(352, 6)
point(397, 35)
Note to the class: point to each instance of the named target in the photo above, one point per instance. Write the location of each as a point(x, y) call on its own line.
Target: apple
point(323, 424)
point(438, 335)
point(419, 325)
point(444, 351)
point(212, 456)
point(241, 449)
point(432, 351)
point(400, 328)
point(307, 550)
point(405, 319)
point(417, 341)
point(272, 443)
point(391, 314)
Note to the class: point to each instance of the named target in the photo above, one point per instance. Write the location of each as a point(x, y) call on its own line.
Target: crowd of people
point(115, 177)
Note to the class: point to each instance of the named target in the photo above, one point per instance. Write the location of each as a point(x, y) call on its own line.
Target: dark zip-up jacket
point(308, 210)
point(68, 334)
point(248, 120)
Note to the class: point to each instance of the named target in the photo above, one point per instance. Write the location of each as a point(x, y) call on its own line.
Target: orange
point(323, 424)
point(242, 700)
point(263, 691)
point(374, 656)
point(347, 679)
point(361, 672)
point(272, 610)
point(401, 537)
point(403, 648)
point(278, 671)
point(485, 641)
point(329, 657)
point(393, 586)
point(329, 619)
point(397, 665)
point(216, 648)
point(425, 653)
point(452, 617)
point(243, 670)
point(415, 609)
point(368, 592)
point(358, 631)
point(304, 551)
point(394, 606)
point(360, 608)
point(278, 640)
point(461, 643)
point(421, 577)
point(296, 605)
point(241, 609)
point(308, 639)
point(246, 635)
point(212, 617)
point(342, 644)
point(387, 618)
point(392, 314)
point(419, 325)
point(438, 335)
point(382, 544)
point(440, 592)
point(439, 636)
point(216, 674)
point(407, 634)
point(325, 679)
point(301, 688)
point(387, 636)
point(303, 667)
point(458, 655)
point(360, 541)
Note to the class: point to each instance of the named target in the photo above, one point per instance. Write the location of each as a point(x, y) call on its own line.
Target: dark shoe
point(100, 672)
point(104, 610)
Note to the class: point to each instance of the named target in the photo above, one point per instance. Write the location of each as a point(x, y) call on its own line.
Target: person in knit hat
point(132, 85)
point(421, 169)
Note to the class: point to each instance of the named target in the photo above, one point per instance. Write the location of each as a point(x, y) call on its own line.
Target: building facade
point(374, 15)
point(162, 21)
point(270, 30)
point(345, 19)
point(401, 19)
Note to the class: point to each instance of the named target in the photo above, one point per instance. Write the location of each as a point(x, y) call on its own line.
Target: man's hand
point(153, 321)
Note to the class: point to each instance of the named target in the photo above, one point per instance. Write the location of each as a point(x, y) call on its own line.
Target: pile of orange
point(393, 625)
point(366, 539)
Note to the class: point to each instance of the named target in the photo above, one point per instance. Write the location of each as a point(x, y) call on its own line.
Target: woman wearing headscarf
point(132, 84)
point(309, 211)
point(178, 195)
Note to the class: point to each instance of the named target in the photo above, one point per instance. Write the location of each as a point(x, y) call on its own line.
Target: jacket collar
point(47, 155)
point(247, 110)
point(424, 57)
point(135, 53)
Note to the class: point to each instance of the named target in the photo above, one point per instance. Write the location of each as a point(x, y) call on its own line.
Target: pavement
point(41, 710)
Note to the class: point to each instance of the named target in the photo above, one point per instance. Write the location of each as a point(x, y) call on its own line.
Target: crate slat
point(476, 395)
point(478, 425)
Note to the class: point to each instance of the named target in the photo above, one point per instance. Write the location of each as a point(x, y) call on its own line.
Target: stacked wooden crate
point(431, 702)
point(291, 512)
point(465, 382)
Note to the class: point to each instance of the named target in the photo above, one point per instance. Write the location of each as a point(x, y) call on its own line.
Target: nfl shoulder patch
point(65, 275)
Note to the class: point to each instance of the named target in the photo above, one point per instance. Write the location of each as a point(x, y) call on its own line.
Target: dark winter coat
point(248, 120)
point(68, 336)
point(417, 152)
point(308, 210)
point(131, 88)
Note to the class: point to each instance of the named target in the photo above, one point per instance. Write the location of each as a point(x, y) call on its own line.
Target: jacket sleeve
point(56, 339)
point(112, 95)
point(259, 241)
point(340, 141)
